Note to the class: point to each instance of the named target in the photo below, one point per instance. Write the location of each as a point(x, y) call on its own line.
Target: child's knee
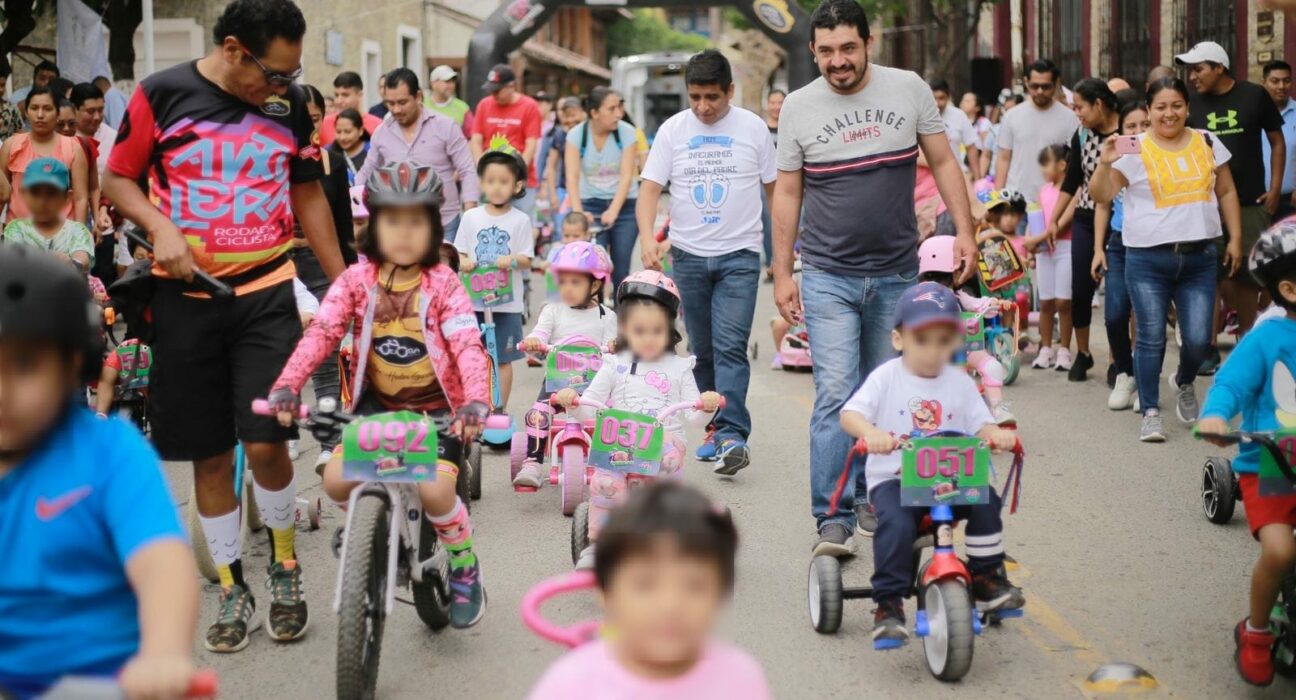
point(1277, 548)
point(335, 487)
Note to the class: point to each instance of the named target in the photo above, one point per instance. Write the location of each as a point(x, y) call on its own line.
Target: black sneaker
point(994, 592)
point(835, 540)
point(865, 519)
point(889, 630)
point(287, 618)
point(1080, 367)
point(1211, 365)
point(237, 617)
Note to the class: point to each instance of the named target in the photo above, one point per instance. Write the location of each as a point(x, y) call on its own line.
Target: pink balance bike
point(570, 364)
point(571, 636)
point(622, 442)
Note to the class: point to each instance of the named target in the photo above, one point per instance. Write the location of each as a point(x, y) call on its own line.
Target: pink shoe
point(528, 475)
point(777, 362)
point(1063, 360)
point(1044, 360)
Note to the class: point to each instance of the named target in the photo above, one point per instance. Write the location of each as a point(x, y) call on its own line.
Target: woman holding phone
point(1177, 189)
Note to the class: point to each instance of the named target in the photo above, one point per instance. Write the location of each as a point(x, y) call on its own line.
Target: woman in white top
point(603, 176)
point(1176, 188)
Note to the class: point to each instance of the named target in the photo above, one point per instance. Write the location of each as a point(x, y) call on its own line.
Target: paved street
point(1117, 562)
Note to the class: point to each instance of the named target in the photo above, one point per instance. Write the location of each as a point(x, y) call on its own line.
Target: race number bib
point(974, 333)
point(1272, 480)
point(571, 367)
point(953, 471)
point(136, 364)
point(626, 442)
point(489, 286)
point(399, 446)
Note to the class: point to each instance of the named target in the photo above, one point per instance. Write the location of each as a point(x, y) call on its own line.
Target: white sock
point(224, 534)
point(278, 508)
point(1255, 629)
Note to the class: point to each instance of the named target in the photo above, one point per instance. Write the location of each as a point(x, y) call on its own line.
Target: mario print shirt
point(218, 166)
point(1259, 381)
point(907, 405)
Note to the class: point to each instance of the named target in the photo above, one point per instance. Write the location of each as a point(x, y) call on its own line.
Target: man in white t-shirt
point(716, 157)
point(963, 137)
point(1025, 130)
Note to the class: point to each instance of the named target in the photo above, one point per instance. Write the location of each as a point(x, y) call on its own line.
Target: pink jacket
point(450, 333)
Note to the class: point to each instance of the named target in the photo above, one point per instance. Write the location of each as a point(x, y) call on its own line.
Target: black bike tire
point(364, 580)
point(432, 596)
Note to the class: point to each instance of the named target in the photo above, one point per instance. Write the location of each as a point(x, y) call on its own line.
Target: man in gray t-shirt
point(847, 158)
point(1027, 128)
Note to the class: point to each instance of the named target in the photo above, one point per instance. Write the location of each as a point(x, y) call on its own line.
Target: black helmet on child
point(403, 184)
point(44, 298)
point(505, 154)
point(1273, 258)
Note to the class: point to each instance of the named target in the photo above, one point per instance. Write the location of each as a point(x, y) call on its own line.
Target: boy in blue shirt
point(98, 577)
point(1257, 381)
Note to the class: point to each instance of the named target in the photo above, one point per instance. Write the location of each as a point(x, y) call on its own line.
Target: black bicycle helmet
point(1273, 258)
point(654, 285)
point(504, 154)
point(404, 184)
point(44, 298)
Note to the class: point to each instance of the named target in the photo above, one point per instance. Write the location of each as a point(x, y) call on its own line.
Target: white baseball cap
point(1201, 53)
point(443, 72)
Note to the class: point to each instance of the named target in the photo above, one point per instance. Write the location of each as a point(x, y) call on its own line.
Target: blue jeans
point(452, 228)
point(719, 296)
point(1117, 306)
point(1155, 277)
point(619, 240)
point(849, 320)
point(767, 230)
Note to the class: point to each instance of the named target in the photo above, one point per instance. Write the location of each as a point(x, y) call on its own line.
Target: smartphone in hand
point(1127, 145)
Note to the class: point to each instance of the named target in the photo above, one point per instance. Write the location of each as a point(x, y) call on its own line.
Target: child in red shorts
point(1259, 381)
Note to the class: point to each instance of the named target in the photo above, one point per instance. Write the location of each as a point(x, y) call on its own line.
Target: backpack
point(585, 131)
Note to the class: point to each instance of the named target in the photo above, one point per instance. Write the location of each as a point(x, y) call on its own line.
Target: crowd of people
point(339, 221)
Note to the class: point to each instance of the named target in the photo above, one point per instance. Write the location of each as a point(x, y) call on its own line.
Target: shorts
point(1254, 221)
point(1053, 271)
point(1265, 510)
point(210, 360)
point(508, 333)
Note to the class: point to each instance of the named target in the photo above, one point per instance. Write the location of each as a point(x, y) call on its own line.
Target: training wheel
point(824, 594)
point(1219, 490)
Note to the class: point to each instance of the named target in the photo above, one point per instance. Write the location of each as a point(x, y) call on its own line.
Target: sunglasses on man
point(274, 77)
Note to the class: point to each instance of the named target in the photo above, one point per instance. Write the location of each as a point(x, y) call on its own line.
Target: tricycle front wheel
point(950, 637)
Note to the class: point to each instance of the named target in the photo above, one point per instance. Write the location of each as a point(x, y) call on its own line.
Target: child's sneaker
point(585, 562)
point(706, 452)
point(237, 617)
point(865, 519)
point(322, 461)
point(1254, 654)
point(467, 596)
point(889, 631)
point(1064, 362)
point(777, 362)
point(993, 591)
point(1044, 359)
point(528, 475)
point(1003, 416)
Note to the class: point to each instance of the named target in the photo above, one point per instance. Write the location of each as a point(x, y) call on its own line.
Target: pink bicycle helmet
point(583, 256)
point(936, 254)
point(651, 284)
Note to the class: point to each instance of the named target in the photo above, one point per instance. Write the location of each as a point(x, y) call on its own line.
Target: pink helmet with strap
point(583, 256)
point(936, 254)
point(653, 285)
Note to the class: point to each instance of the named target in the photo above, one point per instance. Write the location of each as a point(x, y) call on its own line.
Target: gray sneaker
point(1152, 430)
point(865, 519)
point(1185, 401)
point(835, 540)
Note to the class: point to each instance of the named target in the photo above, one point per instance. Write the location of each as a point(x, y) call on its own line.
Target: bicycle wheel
point(948, 643)
point(432, 596)
point(474, 460)
point(580, 538)
point(573, 478)
point(364, 592)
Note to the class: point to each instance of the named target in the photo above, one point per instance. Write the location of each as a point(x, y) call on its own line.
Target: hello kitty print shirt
point(648, 387)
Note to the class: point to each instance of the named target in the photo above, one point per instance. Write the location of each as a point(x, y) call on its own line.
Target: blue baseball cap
point(46, 171)
point(928, 303)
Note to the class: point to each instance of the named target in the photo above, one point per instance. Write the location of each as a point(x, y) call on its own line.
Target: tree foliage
point(648, 33)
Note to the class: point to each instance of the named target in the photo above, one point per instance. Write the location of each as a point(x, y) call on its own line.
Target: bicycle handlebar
point(661, 416)
point(546, 348)
point(203, 684)
point(569, 636)
point(861, 445)
point(1264, 439)
point(261, 407)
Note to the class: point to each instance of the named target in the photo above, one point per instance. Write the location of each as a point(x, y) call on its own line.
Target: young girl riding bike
point(644, 376)
point(416, 348)
point(582, 270)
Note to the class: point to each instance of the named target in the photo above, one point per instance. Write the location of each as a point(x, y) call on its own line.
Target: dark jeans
point(1155, 277)
point(893, 555)
point(767, 230)
point(327, 378)
point(1117, 307)
point(620, 239)
point(719, 296)
point(1083, 286)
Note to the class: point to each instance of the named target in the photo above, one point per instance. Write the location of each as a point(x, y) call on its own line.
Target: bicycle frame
point(399, 533)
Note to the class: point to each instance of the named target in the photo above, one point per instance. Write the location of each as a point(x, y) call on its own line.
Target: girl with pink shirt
point(665, 569)
point(1053, 265)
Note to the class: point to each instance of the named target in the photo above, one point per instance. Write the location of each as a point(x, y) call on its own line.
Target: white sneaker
point(1122, 395)
point(1044, 360)
point(529, 475)
point(1138, 405)
point(293, 450)
point(586, 560)
point(322, 461)
point(1004, 417)
point(1063, 360)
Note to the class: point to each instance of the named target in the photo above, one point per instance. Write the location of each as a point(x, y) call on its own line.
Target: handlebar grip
point(261, 407)
point(860, 446)
point(723, 402)
point(204, 684)
point(660, 235)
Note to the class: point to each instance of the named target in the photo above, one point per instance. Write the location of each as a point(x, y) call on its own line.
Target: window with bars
point(1205, 20)
point(1070, 38)
point(1046, 44)
point(1131, 49)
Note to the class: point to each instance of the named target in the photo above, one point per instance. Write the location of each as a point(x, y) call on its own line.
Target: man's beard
point(855, 79)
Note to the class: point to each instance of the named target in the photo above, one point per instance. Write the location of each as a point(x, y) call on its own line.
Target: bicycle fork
point(396, 514)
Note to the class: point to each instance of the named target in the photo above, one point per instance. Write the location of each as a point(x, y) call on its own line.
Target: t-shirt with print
point(1258, 381)
point(516, 122)
point(648, 387)
point(859, 154)
point(600, 170)
point(1086, 152)
point(907, 405)
point(486, 238)
point(1025, 130)
point(961, 133)
point(219, 167)
point(715, 172)
point(399, 373)
point(1240, 119)
point(73, 237)
point(1171, 194)
point(559, 322)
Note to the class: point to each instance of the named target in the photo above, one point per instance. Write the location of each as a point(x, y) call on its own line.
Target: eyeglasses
point(274, 77)
point(1039, 87)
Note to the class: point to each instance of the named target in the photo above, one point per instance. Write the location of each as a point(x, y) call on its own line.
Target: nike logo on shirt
point(47, 510)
